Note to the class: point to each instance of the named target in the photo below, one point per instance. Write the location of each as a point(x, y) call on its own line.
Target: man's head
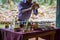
point(28, 1)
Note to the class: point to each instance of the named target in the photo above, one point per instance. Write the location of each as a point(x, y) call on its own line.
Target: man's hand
point(35, 5)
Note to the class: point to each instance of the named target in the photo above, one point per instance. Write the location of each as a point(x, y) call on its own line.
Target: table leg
point(24, 39)
point(36, 38)
point(52, 37)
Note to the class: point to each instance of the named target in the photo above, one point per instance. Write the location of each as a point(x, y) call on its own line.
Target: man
point(25, 8)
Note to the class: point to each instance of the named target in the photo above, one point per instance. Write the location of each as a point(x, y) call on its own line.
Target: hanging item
point(0, 2)
point(49, 2)
point(11, 5)
point(41, 1)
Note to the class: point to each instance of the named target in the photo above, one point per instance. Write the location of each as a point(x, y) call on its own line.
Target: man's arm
point(25, 10)
point(21, 8)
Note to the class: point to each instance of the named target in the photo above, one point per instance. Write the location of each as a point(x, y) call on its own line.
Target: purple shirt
point(26, 15)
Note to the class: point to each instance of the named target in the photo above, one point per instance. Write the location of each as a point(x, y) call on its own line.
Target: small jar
point(7, 25)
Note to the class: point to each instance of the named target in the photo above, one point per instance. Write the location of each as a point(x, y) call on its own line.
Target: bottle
point(12, 24)
point(7, 25)
point(29, 26)
point(35, 25)
point(26, 23)
point(15, 19)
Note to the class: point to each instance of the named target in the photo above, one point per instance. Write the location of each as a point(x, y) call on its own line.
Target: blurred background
point(46, 12)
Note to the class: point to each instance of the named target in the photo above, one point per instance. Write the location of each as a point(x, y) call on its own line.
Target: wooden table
point(42, 34)
point(27, 35)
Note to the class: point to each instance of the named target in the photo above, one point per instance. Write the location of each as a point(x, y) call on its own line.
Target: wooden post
point(36, 38)
point(52, 37)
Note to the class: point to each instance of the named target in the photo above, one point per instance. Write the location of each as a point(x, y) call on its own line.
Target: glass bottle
point(12, 24)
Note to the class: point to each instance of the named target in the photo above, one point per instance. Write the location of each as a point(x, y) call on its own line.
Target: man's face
point(29, 1)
